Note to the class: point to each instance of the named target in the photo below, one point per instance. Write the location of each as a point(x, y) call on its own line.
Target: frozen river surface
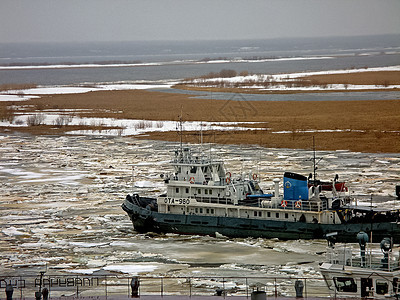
point(61, 207)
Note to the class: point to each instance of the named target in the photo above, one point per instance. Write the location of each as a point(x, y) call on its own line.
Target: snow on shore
point(26, 94)
point(128, 126)
point(253, 80)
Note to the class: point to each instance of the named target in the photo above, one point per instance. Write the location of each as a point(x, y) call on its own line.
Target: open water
point(61, 64)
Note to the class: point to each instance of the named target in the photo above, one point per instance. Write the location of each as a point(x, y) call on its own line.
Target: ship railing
point(206, 181)
point(303, 205)
point(196, 161)
point(156, 287)
point(370, 258)
point(214, 200)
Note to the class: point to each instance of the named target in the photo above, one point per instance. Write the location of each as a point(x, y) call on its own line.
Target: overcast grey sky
point(127, 20)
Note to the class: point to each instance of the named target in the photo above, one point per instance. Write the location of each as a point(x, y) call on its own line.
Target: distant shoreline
point(364, 126)
point(377, 79)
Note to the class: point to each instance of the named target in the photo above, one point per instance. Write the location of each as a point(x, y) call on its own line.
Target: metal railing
point(114, 286)
point(347, 256)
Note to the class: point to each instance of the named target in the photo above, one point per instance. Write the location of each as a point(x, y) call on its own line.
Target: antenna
point(201, 138)
point(133, 178)
point(180, 126)
point(201, 133)
point(315, 163)
point(259, 161)
point(210, 152)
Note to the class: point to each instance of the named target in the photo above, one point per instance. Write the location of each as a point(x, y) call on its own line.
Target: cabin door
point(366, 286)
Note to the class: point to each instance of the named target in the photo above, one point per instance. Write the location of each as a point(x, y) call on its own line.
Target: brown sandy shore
point(365, 126)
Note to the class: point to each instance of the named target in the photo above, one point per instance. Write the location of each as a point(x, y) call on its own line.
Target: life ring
point(191, 180)
point(228, 180)
point(284, 203)
point(297, 204)
point(228, 174)
point(255, 176)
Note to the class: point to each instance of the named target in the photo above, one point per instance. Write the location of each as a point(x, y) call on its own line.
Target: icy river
point(61, 207)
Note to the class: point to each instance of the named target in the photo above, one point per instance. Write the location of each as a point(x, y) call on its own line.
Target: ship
point(203, 198)
point(362, 274)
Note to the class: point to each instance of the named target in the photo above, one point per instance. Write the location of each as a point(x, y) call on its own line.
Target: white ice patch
point(128, 126)
point(27, 94)
point(88, 245)
point(132, 269)
point(68, 180)
point(59, 176)
point(19, 172)
point(83, 271)
point(316, 130)
point(289, 270)
point(53, 90)
point(115, 87)
point(37, 245)
point(74, 66)
point(5, 97)
point(291, 76)
point(13, 231)
point(145, 183)
point(64, 266)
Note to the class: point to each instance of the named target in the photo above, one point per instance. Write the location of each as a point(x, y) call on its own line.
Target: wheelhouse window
point(345, 284)
point(382, 287)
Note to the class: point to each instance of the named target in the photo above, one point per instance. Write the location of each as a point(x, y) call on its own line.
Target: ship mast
point(201, 139)
point(315, 163)
point(180, 129)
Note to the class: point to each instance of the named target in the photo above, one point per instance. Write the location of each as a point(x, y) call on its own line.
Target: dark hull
point(146, 220)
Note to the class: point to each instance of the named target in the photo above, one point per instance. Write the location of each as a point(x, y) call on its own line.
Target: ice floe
point(87, 245)
point(13, 231)
point(83, 271)
point(82, 227)
point(132, 269)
